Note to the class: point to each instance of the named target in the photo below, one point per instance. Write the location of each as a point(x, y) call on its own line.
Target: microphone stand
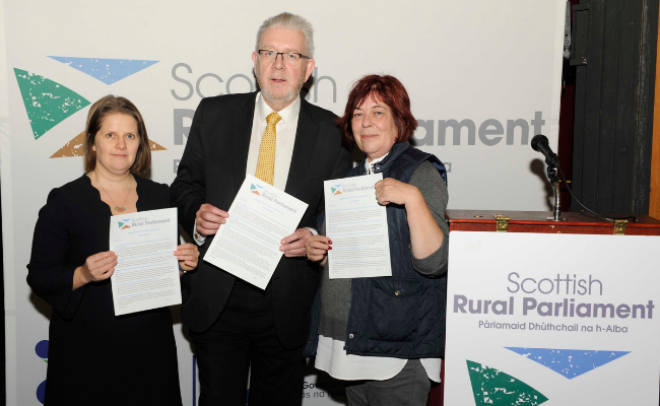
point(540, 144)
point(554, 179)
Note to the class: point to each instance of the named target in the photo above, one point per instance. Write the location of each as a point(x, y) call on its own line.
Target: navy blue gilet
point(401, 316)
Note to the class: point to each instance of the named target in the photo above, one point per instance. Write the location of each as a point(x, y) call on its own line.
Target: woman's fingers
point(100, 259)
point(186, 251)
point(188, 256)
point(392, 191)
point(106, 274)
point(317, 247)
point(98, 266)
point(103, 272)
point(103, 269)
point(100, 256)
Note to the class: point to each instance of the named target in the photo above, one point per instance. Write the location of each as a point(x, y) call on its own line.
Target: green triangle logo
point(492, 387)
point(333, 189)
point(252, 187)
point(47, 102)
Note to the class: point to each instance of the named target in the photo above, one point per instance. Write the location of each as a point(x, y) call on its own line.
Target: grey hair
point(291, 21)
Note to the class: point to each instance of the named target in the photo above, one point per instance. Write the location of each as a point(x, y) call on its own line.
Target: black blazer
point(212, 170)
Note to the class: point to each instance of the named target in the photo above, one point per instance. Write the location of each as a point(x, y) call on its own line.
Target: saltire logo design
point(41, 349)
point(75, 147)
point(495, 388)
point(569, 363)
point(107, 71)
point(255, 189)
point(336, 189)
point(124, 224)
point(47, 102)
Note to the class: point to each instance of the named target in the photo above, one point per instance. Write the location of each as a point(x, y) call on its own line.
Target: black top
point(95, 357)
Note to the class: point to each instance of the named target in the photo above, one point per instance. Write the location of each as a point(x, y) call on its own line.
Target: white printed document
point(248, 245)
point(357, 227)
point(147, 274)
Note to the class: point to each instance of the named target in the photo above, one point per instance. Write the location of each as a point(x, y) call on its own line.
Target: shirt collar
point(369, 166)
point(288, 114)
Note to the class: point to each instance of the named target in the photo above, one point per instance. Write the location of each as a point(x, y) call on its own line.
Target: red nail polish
point(330, 241)
point(329, 248)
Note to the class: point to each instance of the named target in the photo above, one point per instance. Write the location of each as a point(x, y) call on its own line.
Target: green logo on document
point(255, 189)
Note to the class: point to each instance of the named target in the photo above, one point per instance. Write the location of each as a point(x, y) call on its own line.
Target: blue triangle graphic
point(570, 363)
point(107, 71)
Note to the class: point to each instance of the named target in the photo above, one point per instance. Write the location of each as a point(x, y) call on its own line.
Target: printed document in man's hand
point(357, 226)
point(248, 245)
point(147, 274)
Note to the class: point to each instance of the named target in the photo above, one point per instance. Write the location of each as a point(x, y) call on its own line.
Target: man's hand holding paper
point(258, 231)
point(294, 244)
point(209, 219)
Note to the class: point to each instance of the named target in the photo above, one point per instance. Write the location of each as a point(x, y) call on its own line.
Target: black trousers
point(243, 340)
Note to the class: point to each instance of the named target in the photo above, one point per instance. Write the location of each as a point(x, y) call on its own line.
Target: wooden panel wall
point(654, 202)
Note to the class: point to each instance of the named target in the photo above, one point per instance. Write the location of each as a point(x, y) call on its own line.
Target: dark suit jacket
point(212, 170)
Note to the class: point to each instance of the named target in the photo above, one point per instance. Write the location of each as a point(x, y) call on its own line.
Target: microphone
point(540, 144)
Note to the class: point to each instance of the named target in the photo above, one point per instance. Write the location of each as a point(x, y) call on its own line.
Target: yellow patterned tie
point(266, 161)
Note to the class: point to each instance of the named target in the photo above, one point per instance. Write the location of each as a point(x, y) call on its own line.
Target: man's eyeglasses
point(290, 58)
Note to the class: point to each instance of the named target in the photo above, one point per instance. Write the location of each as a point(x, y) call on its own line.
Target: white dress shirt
point(285, 129)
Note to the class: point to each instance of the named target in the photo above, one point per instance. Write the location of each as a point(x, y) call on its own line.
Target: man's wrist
point(197, 236)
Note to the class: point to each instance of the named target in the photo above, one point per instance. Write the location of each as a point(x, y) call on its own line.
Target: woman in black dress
point(94, 357)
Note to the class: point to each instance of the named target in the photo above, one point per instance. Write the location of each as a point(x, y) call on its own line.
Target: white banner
point(552, 319)
point(484, 76)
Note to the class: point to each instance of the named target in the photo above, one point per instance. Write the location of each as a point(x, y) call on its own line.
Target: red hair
point(386, 89)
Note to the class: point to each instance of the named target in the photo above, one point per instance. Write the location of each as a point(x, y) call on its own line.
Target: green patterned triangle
point(492, 387)
point(47, 102)
point(333, 189)
point(252, 187)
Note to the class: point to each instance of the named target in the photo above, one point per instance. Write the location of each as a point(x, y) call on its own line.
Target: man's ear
point(310, 68)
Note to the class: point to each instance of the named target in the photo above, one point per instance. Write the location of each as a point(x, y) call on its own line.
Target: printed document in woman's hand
point(357, 226)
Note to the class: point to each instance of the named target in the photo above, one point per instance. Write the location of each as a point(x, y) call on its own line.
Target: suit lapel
point(240, 138)
point(303, 149)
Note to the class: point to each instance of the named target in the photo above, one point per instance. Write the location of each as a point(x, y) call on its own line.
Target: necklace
point(117, 207)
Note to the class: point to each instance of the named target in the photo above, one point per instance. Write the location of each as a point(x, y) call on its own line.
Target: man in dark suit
point(279, 137)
